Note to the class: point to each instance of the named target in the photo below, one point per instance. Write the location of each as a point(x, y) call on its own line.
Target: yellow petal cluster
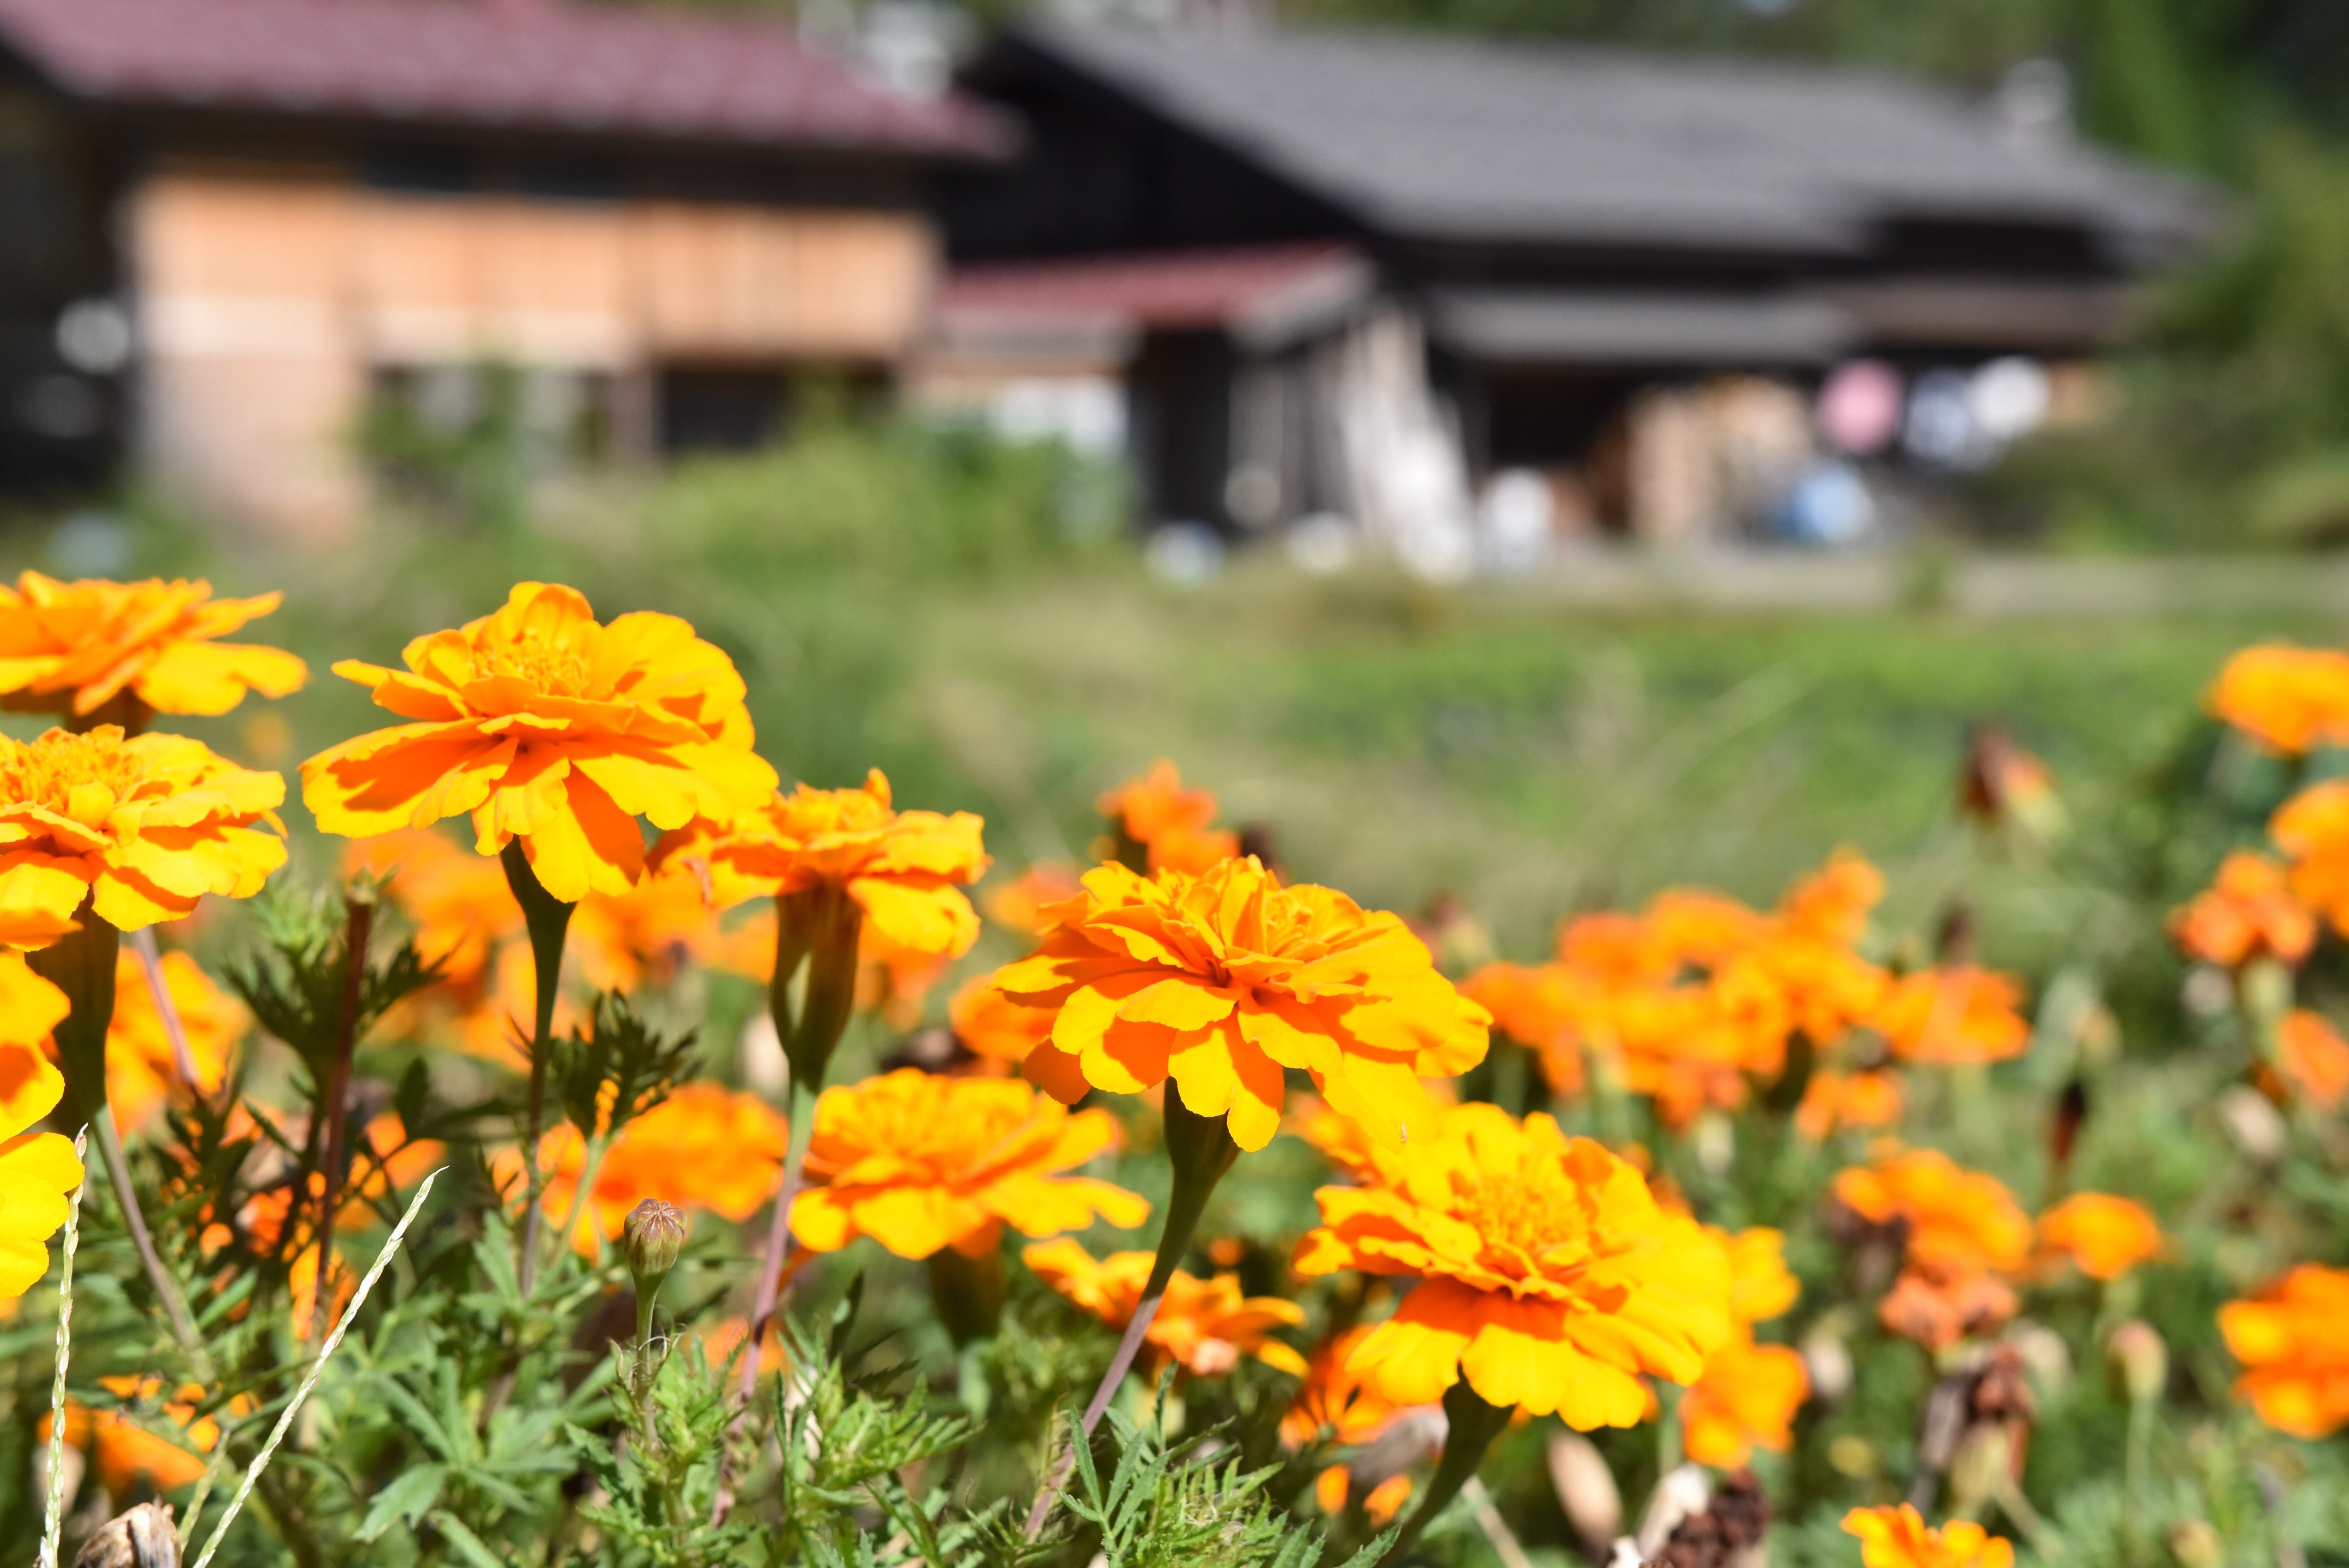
point(37, 1169)
point(1224, 981)
point(549, 727)
point(1549, 1275)
point(73, 648)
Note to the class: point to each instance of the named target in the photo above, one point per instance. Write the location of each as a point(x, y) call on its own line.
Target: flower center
point(52, 771)
point(1530, 1210)
point(546, 666)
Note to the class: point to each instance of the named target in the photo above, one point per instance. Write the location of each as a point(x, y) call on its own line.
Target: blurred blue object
point(1183, 554)
point(1830, 504)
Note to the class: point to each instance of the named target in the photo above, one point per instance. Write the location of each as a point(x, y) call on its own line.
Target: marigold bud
point(651, 1238)
point(2141, 1361)
point(2196, 1545)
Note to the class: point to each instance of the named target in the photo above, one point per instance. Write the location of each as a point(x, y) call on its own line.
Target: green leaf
point(469, 1545)
point(406, 1499)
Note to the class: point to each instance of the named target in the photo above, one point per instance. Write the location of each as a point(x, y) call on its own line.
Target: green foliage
point(615, 1067)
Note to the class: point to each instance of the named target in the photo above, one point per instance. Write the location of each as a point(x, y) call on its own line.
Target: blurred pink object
point(1859, 407)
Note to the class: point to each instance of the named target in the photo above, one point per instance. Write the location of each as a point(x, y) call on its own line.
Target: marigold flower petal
point(72, 648)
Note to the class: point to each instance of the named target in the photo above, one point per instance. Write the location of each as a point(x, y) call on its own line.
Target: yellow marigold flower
point(919, 1162)
point(144, 825)
point(1958, 1220)
point(705, 1147)
point(903, 868)
point(1761, 1286)
point(1951, 1014)
point(1549, 1277)
point(1203, 1325)
point(2105, 1235)
point(551, 728)
point(2247, 911)
point(1169, 822)
point(1746, 1399)
point(1224, 980)
point(1899, 1538)
point(37, 1169)
point(73, 648)
point(141, 1069)
point(1833, 1099)
point(2287, 699)
point(2295, 1358)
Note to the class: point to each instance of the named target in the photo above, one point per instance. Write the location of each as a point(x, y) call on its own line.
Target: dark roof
point(1450, 139)
point(525, 65)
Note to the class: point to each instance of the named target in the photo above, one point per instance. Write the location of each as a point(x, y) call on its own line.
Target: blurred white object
point(2010, 398)
point(1830, 504)
point(94, 337)
point(2034, 102)
point(2253, 1123)
point(91, 545)
point(1401, 456)
point(1681, 1495)
point(909, 45)
point(1941, 428)
point(1859, 407)
point(1323, 544)
point(1514, 517)
point(1586, 1488)
point(1085, 413)
point(765, 1068)
point(1183, 554)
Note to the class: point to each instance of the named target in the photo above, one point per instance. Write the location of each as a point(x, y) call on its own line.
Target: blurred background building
point(1454, 300)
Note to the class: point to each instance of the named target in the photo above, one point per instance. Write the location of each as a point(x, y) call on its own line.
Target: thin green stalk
point(547, 919)
point(52, 1514)
point(1470, 1426)
point(175, 1306)
point(333, 1107)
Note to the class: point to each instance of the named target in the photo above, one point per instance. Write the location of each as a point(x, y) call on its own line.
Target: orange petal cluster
point(705, 1147)
point(73, 648)
point(1963, 1231)
point(141, 1068)
point(1205, 1326)
point(904, 869)
point(1335, 1405)
point(994, 1028)
point(127, 1454)
point(143, 825)
point(1833, 1100)
point(2295, 1356)
point(550, 727)
point(1224, 981)
point(1953, 1014)
point(1549, 1276)
point(2106, 1236)
point(1692, 998)
point(1749, 1392)
point(2289, 700)
point(2247, 912)
point(1019, 904)
point(1899, 1538)
point(1170, 823)
point(2312, 828)
point(2313, 1057)
point(920, 1162)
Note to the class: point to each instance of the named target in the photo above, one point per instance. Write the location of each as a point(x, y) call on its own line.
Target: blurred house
point(1361, 275)
point(230, 228)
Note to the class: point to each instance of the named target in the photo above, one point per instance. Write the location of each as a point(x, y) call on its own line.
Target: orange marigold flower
point(126, 1453)
point(1833, 903)
point(1539, 1006)
point(36, 1168)
point(2247, 911)
point(1746, 1398)
point(1951, 1014)
point(1222, 980)
point(994, 1028)
point(1335, 1404)
point(1960, 1220)
point(893, 980)
point(1203, 1325)
point(2295, 1356)
point(1832, 1100)
point(1938, 1308)
point(460, 901)
point(1171, 823)
point(145, 826)
point(73, 648)
point(2313, 1058)
point(141, 1068)
point(705, 1147)
point(1021, 903)
point(548, 727)
point(920, 1162)
point(1549, 1277)
point(645, 935)
point(1761, 1286)
point(1899, 1538)
point(901, 868)
point(2287, 699)
point(2312, 830)
point(2105, 1235)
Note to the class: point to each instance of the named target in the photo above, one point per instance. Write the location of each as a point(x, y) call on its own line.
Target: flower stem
point(547, 918)
point(334, 1108)
point(53, 1514)
point(1201, 1149)
point(150, 963)
point(1471, 1426)
point(167, 1289)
